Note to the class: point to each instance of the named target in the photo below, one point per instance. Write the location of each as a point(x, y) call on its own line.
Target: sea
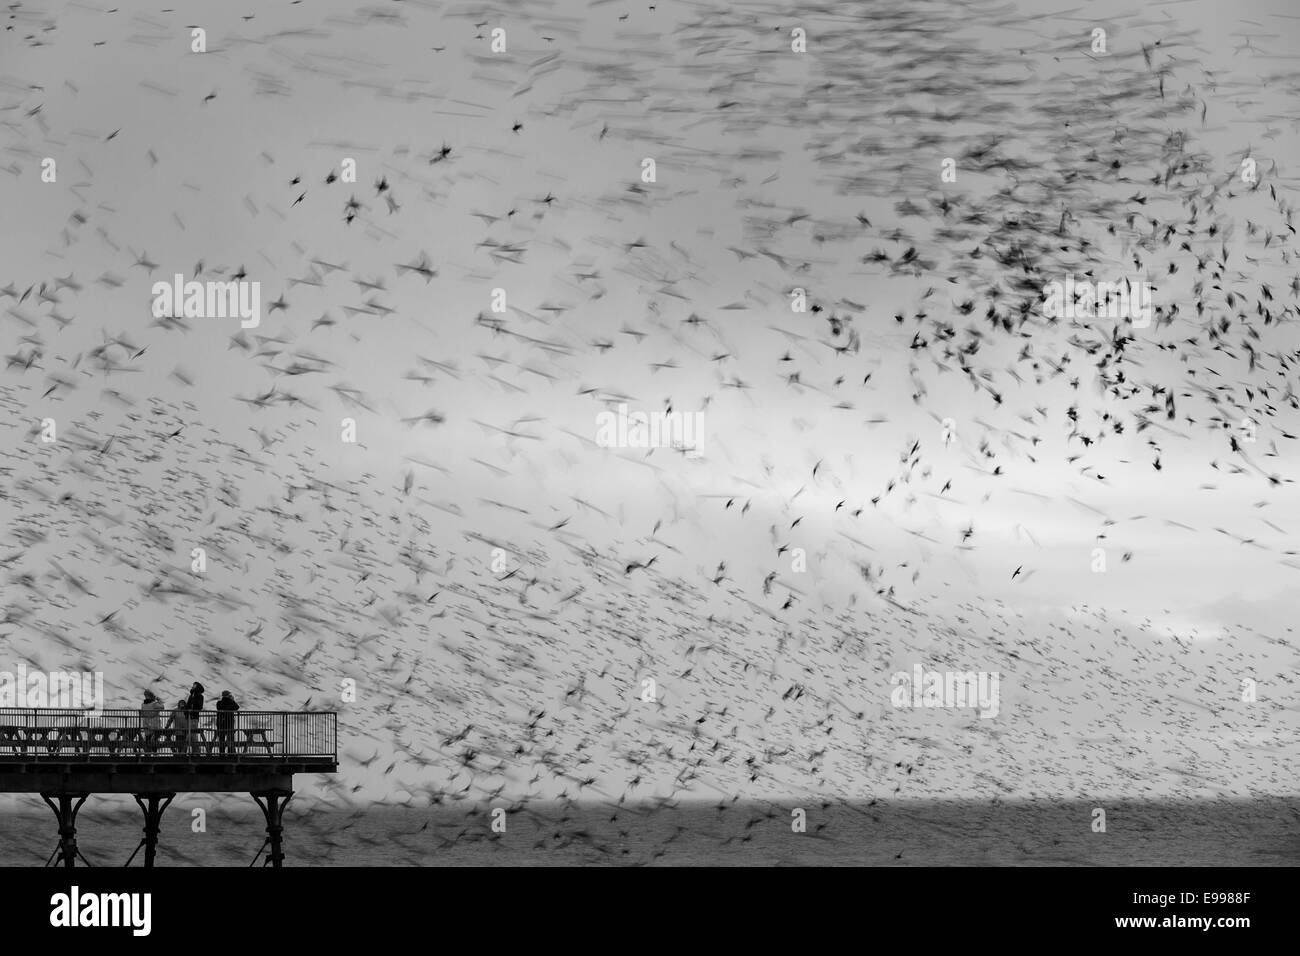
point(1172, 833)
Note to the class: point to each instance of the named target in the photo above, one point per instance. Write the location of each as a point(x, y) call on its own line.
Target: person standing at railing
point(226, 708)
point(180, 719)
point(194, 704)
point(151, 719)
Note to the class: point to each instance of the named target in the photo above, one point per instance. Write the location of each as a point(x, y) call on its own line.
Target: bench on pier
point(239, 740)
point(134, 741)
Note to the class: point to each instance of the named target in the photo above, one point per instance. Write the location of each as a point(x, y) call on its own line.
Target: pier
point(67, 755)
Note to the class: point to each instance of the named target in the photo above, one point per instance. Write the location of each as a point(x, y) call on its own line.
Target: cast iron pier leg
point(66, 814)
point(273, 803)
point(152, 822)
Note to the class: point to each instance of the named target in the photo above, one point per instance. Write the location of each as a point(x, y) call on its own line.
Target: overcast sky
point(774, 171)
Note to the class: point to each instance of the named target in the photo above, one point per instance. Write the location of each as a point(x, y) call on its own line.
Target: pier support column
point(152, 822)
point(273, 803)
point(66, 813)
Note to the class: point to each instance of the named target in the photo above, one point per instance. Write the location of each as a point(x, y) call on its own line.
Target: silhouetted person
point(194, 704)
point(151, 719)
point(226, 708)
point(180, 719)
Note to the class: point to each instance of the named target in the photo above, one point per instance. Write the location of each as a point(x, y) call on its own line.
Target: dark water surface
point(1262, 832)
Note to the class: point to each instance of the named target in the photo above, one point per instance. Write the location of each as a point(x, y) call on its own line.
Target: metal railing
point(113, 736)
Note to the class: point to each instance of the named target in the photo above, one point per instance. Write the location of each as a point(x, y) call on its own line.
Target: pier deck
point(66, 755)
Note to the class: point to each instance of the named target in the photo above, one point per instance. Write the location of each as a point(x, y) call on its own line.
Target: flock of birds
point(531, 620)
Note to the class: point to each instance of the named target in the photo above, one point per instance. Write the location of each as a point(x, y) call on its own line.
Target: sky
point(475, 558)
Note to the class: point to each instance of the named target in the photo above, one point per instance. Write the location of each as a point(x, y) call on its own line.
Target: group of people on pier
point(184, 718)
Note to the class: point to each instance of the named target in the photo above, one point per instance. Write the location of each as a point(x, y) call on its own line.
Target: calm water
point(1200, 833)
